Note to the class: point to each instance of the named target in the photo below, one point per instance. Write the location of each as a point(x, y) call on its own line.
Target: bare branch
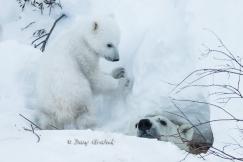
point(31, 23)
point(206, 103)
point(44, 42)
point(232, 68)
point(32, 128)
point(30, 121)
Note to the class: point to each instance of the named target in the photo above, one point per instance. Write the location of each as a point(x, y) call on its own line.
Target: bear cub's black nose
point(144, 124)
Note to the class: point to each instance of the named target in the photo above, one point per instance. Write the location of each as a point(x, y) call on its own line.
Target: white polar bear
point(169, 127)
point(160, 127)
point(69, 74)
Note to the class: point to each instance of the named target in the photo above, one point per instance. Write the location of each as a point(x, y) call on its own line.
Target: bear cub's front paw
point(118, 73)
point(124, 81)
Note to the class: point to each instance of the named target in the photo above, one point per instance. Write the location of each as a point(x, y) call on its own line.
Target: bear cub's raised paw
point(118, 73)
point(121, 74)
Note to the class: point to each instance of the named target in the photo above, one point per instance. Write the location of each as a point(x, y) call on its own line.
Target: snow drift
point(160, 44)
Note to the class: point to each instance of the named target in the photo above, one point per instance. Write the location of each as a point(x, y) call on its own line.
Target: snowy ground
point(160, 42)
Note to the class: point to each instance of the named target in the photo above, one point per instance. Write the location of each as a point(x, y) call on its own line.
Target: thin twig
point(30, 121)
point(32, 124)
point(31, 23)
point(44, 42)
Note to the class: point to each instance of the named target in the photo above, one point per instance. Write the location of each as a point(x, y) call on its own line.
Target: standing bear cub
point(69, 75)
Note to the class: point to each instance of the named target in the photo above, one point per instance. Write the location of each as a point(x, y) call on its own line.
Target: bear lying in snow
point(1, 32)
point(69, 74)
point(160, 127)
point(164, 127)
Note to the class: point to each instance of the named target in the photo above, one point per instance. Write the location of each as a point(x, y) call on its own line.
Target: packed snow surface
point(160, 44)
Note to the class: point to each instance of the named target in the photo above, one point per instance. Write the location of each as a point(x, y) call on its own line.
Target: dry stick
point(223, 86)
point(233, 94)
point(206, 72)
point(202, 123)
point(28, 25)
point(207, 103)
point(210, 121)
point(226, 155)
point(200, 70)
point(187, 118)
point(216, 120)
point(30, 121)
point(225, 47)
point(184, 157)
point(202, 73)
point(44, 42)
point(33, 131)
point(235, 90)
point(230, 57)
point(48, 36)
point(35, 124)
point(239, 78)
point(221, 153)
point(53, 126)
point(38, 39)
point(38, 137)
point(32, 128)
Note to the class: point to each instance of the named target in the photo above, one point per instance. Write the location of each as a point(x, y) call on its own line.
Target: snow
point(54, 145)
point(160, 42)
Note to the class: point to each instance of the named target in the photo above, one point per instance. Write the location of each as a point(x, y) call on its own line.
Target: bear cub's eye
point(162, 122)
point(109, 45)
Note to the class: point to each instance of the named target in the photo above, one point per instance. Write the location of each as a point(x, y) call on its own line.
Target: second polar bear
point(69, 74)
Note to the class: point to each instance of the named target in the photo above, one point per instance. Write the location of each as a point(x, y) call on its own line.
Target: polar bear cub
point(69, 74)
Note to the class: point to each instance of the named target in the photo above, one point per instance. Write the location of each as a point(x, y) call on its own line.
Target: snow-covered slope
point(62, 146)
point(160, 43)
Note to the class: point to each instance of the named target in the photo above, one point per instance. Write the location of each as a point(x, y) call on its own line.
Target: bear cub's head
point(103, 37)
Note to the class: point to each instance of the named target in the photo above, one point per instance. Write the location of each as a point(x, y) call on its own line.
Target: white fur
point(177, 134)
point(171, 132)
point(69, 74)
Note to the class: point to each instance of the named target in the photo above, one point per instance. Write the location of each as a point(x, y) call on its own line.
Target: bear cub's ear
point(95, 26)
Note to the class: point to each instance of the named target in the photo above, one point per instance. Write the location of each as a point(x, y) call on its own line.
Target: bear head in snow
point(163, 129)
